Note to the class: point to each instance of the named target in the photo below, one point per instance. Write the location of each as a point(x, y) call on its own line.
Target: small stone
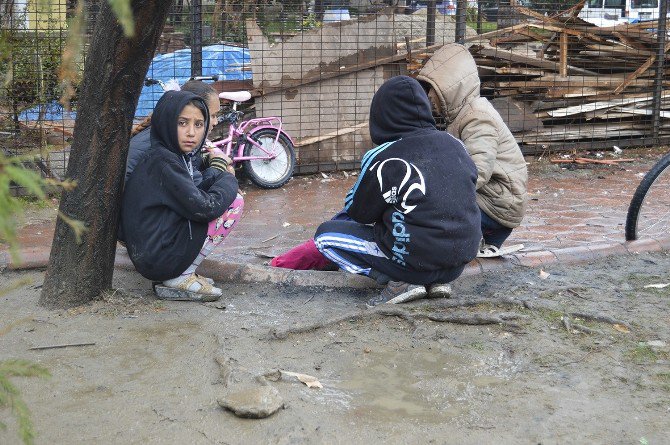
point(253, 403)
point(657, 344)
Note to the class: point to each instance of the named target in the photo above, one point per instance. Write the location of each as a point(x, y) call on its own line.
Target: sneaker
point(398, 292)
point(439, 290)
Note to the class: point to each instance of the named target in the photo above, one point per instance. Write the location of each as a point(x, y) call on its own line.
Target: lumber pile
point(586, 85)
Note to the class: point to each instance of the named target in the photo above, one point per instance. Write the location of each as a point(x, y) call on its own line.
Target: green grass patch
point(477, 346)
point(643, 353)
point(34, 202)
point(552, 316)
point(486, 26)
point(664, 380)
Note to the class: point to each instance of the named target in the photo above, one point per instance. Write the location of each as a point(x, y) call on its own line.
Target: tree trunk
point(113, 75)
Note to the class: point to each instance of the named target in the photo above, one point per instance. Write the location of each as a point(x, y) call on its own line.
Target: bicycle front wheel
point(270, 173)
point(649, 210)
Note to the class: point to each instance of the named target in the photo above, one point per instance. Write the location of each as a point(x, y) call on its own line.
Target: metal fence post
point(479, 17)
point(196, 38)
point(430, 23)
point(660, 66)
point(461, 10)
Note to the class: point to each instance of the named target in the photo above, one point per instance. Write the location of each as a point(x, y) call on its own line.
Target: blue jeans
point(494, 233)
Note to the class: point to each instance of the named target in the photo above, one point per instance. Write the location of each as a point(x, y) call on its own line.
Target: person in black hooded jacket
point(169, 223)
point(414, 209)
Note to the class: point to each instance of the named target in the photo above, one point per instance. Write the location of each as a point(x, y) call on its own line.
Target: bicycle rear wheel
point(649, 210)
point(270, 173)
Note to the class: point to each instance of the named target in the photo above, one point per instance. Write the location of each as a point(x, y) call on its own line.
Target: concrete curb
point(222, 271)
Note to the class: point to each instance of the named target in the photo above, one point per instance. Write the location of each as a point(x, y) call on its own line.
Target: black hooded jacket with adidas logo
point(417, 186)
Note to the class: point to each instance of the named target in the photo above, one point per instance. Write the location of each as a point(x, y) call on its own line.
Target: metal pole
point(660, 67)
point(479, 17)
point(461, 9)
point(196, 38)
point(430, 23)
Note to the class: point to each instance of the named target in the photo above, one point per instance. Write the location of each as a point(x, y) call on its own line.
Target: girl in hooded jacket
point(169, 222)
point(140, 140)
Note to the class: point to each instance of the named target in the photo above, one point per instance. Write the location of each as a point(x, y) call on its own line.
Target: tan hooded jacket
point(501, 168)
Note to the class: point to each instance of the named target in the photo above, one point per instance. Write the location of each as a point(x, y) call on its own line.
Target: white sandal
point(195, 284)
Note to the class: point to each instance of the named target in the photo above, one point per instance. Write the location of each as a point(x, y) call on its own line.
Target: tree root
point(572, 327)
point(410, 317)
point(602, 318)
point(585, 330)
point(467, 318)
point(448, 303)
point(352, 316)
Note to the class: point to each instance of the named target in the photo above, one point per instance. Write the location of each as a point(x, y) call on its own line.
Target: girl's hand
point(216, 152)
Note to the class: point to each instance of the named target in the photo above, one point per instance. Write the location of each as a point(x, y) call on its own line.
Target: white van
point(614, 12)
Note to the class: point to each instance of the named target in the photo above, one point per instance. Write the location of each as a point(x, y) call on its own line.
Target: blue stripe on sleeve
point(368, 157)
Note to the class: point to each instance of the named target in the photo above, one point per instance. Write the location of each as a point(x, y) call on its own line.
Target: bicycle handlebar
point(149, 81)
point(213, 78)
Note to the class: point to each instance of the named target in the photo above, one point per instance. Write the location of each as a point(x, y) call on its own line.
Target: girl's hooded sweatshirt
point(417, 186)
point(164, 215)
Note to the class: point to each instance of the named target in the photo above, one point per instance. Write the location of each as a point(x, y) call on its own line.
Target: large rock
point(254, 403)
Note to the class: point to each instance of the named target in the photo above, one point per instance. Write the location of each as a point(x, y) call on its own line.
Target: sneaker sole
point(440, 293)
point(414, 294)
point(502, 251)
point(172, 294)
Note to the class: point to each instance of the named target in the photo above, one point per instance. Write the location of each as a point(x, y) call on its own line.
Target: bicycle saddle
point(235, 96)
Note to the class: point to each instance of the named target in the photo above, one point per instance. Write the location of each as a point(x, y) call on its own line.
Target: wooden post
point(563, 69)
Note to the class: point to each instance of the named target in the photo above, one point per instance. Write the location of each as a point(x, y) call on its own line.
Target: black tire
point(274, 173)
point(649, 210)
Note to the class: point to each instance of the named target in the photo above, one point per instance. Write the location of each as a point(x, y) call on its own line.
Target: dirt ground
point(580, 355)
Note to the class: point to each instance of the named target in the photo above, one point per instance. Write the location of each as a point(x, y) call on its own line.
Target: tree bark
point(115, 68)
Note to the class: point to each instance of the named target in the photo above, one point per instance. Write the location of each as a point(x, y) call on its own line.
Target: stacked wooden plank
point(585, 85)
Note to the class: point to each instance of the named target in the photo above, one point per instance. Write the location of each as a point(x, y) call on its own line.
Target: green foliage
point(10, 396)
point(310, 22)
point(14, 171)
point(29, 63)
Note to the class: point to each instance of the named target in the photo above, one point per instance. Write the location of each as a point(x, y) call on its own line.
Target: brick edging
point(37, 258)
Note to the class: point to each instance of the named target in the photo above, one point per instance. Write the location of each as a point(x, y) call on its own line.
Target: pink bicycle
point(265, 150)
point(261, 145)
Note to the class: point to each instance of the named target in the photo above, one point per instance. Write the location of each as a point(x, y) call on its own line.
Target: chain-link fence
point(563, 75)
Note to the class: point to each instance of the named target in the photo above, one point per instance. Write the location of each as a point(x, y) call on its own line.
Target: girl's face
point(190, 128)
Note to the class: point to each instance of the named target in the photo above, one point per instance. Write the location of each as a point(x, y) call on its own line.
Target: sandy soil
point(580, 356)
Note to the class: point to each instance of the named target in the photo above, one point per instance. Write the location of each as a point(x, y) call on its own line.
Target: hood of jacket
point(399, 108)
point(165, 116)
point(452, 73)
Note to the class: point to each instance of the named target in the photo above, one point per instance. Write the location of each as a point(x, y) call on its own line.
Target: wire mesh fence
point(563, 75)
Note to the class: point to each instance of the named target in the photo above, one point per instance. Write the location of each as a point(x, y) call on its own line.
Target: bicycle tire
point(271, 173)
point(649, 209)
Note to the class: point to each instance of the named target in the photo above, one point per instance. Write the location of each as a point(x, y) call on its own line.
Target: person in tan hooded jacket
point(453, 80)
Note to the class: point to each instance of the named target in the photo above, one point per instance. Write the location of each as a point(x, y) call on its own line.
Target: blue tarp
point(224, 61)
point(52, 112)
